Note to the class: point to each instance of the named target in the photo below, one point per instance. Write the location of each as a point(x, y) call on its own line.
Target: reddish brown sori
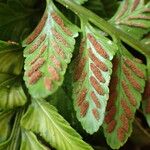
point(121, 134)
point(58, 49)
point(53, 72)
point(147, 109)
point(111, 126)
point(97, 46)
point(128, 93)
point(135, 5)
point(59, 37)
point(37, 30)
point(126, 109)
point(81, 49)
point(115, 63)
point(35, 77)
point(55, 61)
point(140, 17)
point(36, 45)
point(110, 115)
point(134, 24)
point(113, 92)
point(125, 122)
point(79, 68)
point(124, 9)
point(113, 83)
point(96, 86)
point(83, 108)
point(147, 89)
point(96, 114)
point(97, 73)
point(60, 22)
point(81, 97)
point(48, 83)
point(42, 50)
point(95, 99)
point(36, 66)
point(97, 62)
point(111, 101)
point(129, 76)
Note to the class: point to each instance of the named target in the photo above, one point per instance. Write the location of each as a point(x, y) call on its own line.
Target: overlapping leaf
point(133, 17)
point(13, 142)
point(146, 101)
point(126, 86)
point(42, 118)
point(48, 51)
point(29, 142)
point(91, 78)
point(11, 58)
point(5, 126)
point(11, 92)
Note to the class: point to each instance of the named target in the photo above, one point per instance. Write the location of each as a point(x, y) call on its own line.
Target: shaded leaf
point(13, 142)
point(30, 142)
point(91, 78)
point(15, 19)
point(133, 17)
point(11, 92)
point(11, 58)
point(126, 86)
point(48, 51)
point(5, 126)
point(42, 118)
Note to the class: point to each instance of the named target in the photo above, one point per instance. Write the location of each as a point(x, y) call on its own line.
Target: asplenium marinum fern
point(65, 72)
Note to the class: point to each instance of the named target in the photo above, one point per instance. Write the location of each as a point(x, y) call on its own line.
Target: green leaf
point(48, 51)
point(133, 17)
point(126, 86)
point(91, 78)
point(29, 142)
point(11, 58)
point(15, 20)
point(11, 92)
point(5, 126)
point(42, 118)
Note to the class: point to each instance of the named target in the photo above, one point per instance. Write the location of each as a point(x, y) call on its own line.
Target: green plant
point(74, 66)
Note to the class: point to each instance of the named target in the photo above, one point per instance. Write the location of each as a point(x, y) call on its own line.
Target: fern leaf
point(146, 101)
point(42, 118)
point(30, 142)
point(11, 92)
point(133, 17)
point(126, 86)
point(11, 58)
point(48, 51)
point(91, 78)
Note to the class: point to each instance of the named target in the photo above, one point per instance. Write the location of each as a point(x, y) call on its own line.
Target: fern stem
point(106, 26)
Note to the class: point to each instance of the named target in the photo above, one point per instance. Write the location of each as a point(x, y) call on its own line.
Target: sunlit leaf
point(30, 142)
point(48, 51)
point(42, 118)
point(91, 78)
